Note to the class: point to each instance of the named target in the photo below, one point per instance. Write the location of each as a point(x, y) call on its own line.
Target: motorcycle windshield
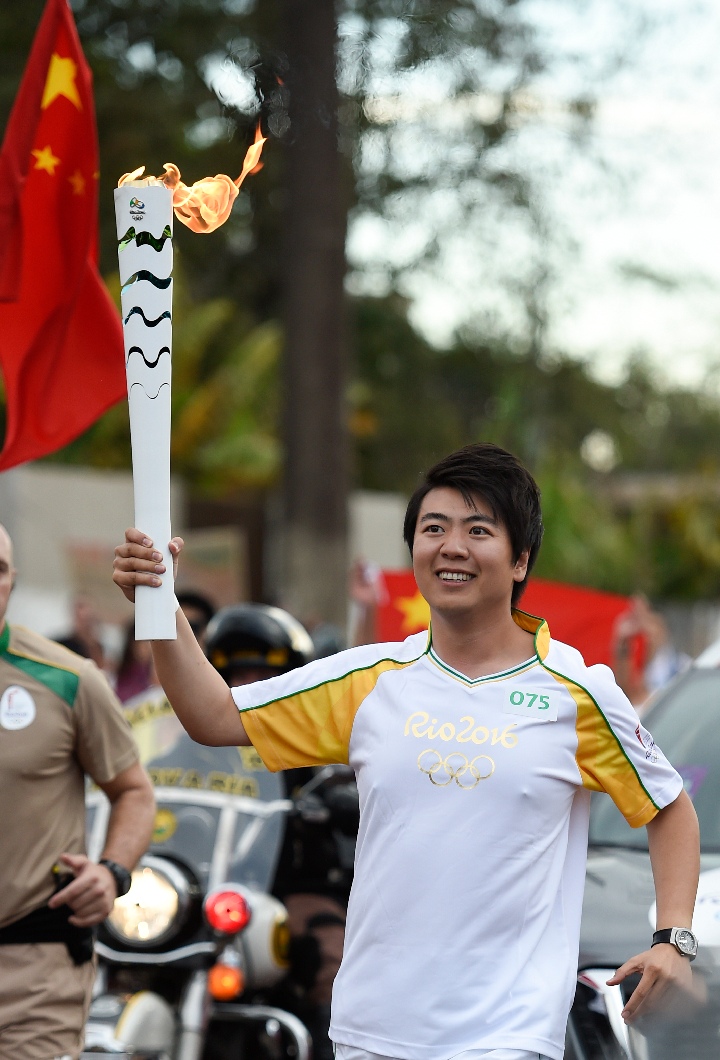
point(216, 806)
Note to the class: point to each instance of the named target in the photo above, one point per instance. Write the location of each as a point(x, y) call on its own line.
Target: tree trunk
point(315, 435)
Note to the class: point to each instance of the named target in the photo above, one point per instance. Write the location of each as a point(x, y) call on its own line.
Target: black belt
point(51, 925)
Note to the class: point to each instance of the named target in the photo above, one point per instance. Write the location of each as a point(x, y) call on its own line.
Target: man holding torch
point(476, 748)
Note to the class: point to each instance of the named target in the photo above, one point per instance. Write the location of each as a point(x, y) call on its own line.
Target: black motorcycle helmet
point(257, 637)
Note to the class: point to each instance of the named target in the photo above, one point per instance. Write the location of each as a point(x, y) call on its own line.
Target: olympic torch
point(144, 208)
point(144, 217)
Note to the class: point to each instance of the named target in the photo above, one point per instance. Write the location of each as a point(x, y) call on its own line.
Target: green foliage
point(412, 404)
point(585, 542)
point(666, 547)
point(422, 402)
point(677, 545)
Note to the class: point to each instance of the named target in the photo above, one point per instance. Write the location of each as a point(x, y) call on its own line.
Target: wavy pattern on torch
point(143, 274)
point(149, 364)
point(148, 323)
point(144, 239)
point(151, 397)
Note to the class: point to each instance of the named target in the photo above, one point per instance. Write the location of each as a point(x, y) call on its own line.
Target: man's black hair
point(486, 470)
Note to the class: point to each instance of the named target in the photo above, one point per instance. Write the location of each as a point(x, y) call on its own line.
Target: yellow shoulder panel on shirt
point(602, 761)
point(313, 726)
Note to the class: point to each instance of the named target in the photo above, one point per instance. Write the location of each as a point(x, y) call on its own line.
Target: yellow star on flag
point(415, 612)
point(46, 160)
point(78, 182)
point(61, 82)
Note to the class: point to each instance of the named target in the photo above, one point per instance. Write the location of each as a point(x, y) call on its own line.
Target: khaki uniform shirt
point(59, 720)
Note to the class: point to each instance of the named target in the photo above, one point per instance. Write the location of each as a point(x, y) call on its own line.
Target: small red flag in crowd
point(582, 617)
point(61, 343)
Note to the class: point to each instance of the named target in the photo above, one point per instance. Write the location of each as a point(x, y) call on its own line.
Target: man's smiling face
point(462, 555)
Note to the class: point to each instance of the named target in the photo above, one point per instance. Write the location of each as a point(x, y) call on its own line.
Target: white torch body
point(144, 218)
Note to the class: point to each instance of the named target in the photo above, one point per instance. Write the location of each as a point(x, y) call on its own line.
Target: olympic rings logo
point(467, 774)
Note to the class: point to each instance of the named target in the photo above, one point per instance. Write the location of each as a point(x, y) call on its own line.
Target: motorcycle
point(188, 958)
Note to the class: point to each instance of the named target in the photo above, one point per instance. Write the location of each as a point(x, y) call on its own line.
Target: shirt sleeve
point(104, 742)
point(305, 717)
point(617, 754)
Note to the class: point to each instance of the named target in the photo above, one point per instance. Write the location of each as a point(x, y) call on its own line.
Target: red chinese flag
point(582, 617)
point(403, 610)
point(61, 344)
point(578, 616)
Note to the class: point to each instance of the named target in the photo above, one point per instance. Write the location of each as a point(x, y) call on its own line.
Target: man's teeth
point(454, 576)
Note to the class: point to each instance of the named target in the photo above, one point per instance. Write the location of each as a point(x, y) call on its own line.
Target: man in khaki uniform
point(59, 720)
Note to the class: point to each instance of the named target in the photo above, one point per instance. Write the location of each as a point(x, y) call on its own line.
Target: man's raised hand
point(138, 562)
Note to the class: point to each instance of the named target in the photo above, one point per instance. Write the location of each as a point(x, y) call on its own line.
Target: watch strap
point(668, 935)
point(119, 873)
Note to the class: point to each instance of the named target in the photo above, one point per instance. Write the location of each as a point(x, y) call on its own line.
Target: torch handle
point(150, 439)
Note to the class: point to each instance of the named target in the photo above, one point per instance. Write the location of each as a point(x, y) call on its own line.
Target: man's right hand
point(196, 691)
point(138, 562)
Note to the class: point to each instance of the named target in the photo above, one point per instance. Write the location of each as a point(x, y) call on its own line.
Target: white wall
point(376, 522)
point(65, 523)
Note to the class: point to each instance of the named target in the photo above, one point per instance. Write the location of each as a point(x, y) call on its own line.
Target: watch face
point(686, 942)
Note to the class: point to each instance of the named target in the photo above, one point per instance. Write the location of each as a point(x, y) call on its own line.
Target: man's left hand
point(666, 979)
point(91, 894)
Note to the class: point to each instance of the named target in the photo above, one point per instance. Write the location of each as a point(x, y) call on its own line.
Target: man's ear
point(521, 565)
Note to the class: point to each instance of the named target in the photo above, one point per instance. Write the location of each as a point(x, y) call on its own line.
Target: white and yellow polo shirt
point(464, 916)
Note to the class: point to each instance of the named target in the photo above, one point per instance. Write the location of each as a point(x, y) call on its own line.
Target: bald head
point(7, 571)
point(6, 544)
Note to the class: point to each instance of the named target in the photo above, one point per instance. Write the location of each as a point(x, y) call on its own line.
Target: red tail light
point(227, 911)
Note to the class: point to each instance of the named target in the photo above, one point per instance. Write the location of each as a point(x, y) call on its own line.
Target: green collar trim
point(530, 623)
point(58, 679)
point(472, 681)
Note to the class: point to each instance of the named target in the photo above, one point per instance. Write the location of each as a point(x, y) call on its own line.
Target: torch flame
point(207, 204)
point(134, 177)
point(252, 163)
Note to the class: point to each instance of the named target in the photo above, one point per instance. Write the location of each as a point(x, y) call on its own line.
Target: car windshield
point(685, 723)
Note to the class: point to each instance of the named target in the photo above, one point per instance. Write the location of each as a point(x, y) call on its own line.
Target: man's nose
point(454, 543)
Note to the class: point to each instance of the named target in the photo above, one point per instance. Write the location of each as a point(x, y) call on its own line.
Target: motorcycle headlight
point(155, 908)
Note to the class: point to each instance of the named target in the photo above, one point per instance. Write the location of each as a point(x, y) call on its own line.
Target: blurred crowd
point(644, 656)
point(132, 671)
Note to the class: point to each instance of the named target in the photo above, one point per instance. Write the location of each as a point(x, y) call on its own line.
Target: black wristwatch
point(119, 873)
point(681, 938)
